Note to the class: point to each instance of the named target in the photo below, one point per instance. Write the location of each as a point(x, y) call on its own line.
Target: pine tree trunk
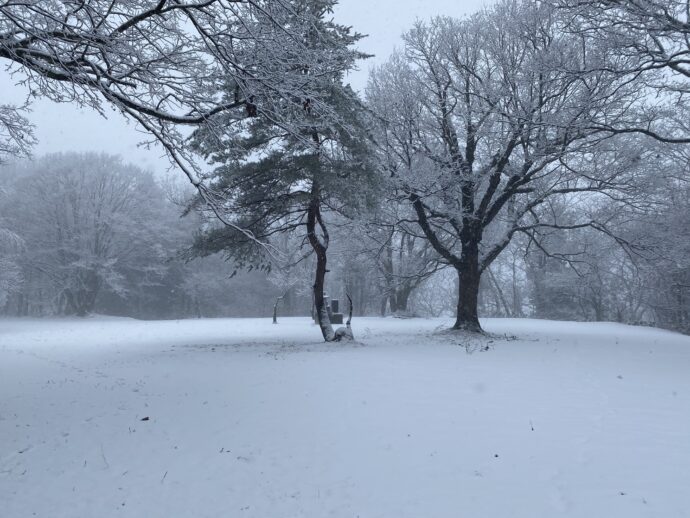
point(320, 247)
point(321, 309)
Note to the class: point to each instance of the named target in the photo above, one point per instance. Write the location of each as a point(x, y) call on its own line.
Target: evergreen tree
point(292, 172)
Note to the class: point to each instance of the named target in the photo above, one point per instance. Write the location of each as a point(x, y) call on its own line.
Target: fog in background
point(449, 280)
point(93, 223)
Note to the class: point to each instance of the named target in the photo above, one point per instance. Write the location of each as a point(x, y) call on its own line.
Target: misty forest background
point(97, 235)
point(608, 239)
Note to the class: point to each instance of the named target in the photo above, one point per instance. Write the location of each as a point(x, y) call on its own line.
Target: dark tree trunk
point(403, 296)
point(469, 275)
point(284, 298)
point(320, 246)
point(517, 297)
point(319, 283)
point(86, 302)
point(82, 301)
point(502, 307)
point(23, 305)
point(467, 265)
point(275, 311)
point(399, 298)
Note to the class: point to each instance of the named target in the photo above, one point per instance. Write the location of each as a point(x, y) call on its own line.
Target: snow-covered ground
point(240, 418)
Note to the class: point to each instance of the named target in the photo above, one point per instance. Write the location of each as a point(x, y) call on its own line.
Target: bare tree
point(489, 117)
point(401, 254)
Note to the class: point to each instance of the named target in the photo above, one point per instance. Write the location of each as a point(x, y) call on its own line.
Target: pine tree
point(288, 173)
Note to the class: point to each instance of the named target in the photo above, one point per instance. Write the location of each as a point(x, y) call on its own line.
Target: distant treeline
point(87, 233)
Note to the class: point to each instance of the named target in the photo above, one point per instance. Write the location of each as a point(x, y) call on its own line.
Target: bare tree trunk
point(500, 297)
point(278, 299)
point(402, 297)
point(517, 302)
point(469, 276)
point(467, 265)
point(275, 310)
point(393, 302)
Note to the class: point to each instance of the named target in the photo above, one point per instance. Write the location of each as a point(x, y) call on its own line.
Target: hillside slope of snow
point(240, 418)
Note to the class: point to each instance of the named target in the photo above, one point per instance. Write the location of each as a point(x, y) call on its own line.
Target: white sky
point(65, 127)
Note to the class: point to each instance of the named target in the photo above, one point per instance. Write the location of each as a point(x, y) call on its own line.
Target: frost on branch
point(16, 135)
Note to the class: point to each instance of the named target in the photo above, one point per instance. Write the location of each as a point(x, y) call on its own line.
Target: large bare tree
point(487, 118)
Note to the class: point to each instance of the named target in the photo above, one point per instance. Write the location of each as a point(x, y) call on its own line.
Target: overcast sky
point(67, 128)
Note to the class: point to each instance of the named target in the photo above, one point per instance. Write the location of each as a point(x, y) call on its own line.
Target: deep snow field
point(109, 417)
